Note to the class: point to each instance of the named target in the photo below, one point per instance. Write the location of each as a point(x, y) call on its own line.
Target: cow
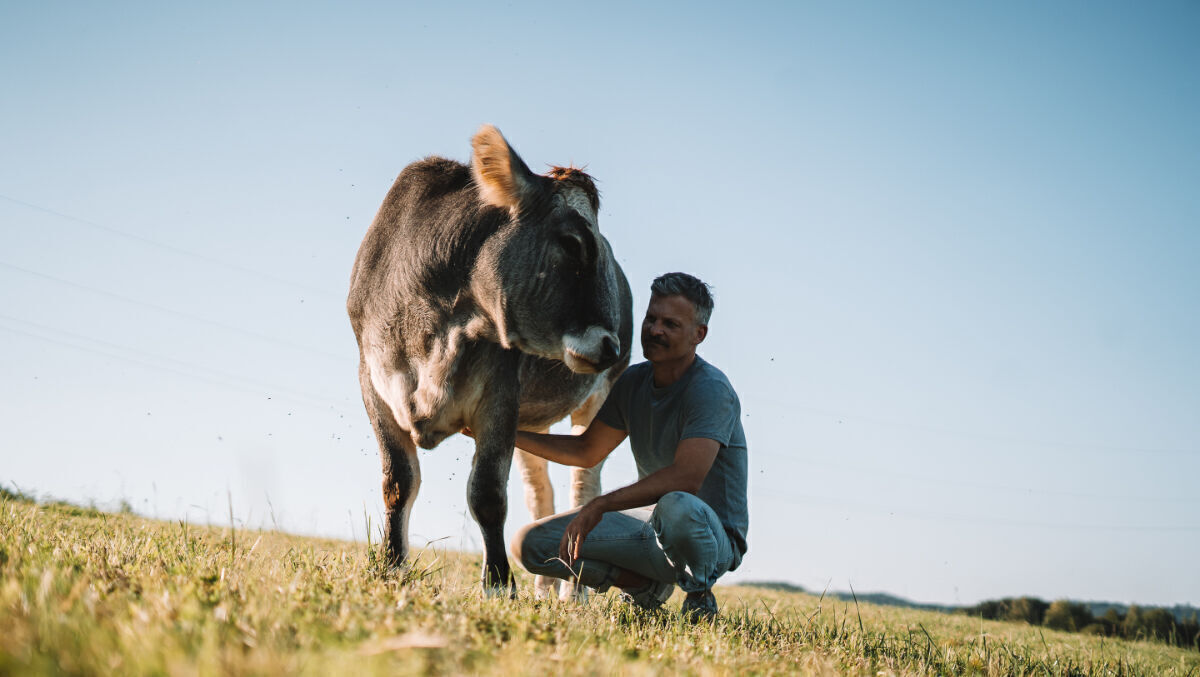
point(484, 296)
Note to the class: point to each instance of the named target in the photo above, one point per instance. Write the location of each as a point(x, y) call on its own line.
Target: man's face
point(669, 330)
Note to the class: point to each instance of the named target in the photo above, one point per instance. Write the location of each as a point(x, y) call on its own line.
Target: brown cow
point(484, 296)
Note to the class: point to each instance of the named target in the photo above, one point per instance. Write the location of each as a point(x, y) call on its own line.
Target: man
point(683, 420)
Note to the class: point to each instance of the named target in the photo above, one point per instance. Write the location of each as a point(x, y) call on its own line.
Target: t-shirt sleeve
point(613, 412)
point(711, 411)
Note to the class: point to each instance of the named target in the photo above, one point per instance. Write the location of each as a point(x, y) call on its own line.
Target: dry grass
point(86, 592)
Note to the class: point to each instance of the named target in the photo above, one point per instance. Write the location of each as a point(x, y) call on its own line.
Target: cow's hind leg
point(585, 482)
point(539, 499)
point(401, 471)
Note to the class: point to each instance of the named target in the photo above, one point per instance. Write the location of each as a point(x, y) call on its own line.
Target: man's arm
point(693, 459)
point(585, 450)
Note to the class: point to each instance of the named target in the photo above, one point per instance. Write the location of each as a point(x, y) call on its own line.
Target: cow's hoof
point(545, 587)
point(500, 591)
point(573, 592)
point(498, 581)
point(388, 567)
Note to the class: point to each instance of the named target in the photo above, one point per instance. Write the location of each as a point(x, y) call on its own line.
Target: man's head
point(677, 318)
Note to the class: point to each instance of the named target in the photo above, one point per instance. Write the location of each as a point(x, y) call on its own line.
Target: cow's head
point(548, 278)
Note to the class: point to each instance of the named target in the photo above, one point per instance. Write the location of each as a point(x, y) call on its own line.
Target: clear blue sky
point(956, 254)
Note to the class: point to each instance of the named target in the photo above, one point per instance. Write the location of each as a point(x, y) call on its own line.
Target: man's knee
point(529, 545)
point(680, 516)
point(680, 506)
point(693, 538)
point(517, 546)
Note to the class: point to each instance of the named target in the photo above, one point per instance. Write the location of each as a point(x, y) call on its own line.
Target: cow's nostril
point(610, 348)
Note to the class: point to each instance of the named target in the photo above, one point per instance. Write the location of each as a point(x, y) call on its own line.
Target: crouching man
point(684, 521)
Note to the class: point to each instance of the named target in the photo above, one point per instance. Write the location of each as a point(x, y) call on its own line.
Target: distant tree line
point(1136, 623)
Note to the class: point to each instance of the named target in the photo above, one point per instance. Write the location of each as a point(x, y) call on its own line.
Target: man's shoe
point(649, 596)
point(699, 606)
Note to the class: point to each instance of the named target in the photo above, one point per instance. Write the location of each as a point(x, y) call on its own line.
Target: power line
point(171, 248)
point(209, 375)
point(172, 311)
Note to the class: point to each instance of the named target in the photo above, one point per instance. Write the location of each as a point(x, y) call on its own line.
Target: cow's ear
point(500, 173)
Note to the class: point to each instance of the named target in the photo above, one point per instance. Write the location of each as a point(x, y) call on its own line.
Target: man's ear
point(501, 175)
point(701, 333)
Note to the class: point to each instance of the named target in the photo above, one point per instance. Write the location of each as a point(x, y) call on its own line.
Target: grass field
point(86, 592)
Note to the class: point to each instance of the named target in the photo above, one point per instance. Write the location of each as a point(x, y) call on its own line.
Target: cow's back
point(421, 246)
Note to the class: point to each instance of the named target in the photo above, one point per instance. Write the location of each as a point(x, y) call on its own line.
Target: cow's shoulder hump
point(432, 176)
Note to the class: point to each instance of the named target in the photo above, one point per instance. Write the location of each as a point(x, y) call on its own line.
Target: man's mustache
point(653, 341)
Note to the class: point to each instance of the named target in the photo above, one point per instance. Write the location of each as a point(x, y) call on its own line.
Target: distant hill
point(879, 598)
point(1181, 612)
point(774, 585)
point(884, 599)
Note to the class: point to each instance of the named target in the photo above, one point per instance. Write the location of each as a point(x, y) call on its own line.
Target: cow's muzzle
point(592, 351)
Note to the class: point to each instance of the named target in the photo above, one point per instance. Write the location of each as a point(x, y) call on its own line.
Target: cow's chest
point(435, 394)
point(550, 391)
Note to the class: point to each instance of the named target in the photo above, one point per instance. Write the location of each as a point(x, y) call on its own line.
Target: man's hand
point(577, 530)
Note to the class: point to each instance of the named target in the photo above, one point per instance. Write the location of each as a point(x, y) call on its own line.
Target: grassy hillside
point(85, 592)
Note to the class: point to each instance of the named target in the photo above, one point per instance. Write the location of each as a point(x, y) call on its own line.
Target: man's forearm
point(647, 490)
point(564, 449)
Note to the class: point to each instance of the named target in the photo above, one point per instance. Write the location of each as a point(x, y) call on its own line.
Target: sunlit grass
point(87, 592)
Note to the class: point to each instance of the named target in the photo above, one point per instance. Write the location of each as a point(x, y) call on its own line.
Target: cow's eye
point(573, 245)
point(577, 242)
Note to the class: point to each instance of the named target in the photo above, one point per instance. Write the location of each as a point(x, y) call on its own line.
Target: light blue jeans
point(680, 540)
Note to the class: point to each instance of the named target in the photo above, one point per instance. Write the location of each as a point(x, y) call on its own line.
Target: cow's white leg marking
point(585, 482)
point(420, 395)
point(391, 385)
point(539, 499)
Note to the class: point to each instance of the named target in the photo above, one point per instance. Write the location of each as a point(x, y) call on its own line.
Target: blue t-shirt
point(701, 403)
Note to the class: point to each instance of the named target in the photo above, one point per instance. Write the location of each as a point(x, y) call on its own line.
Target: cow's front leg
point(487, 489)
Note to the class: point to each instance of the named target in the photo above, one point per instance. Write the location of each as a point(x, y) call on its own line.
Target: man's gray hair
point(690, 288)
